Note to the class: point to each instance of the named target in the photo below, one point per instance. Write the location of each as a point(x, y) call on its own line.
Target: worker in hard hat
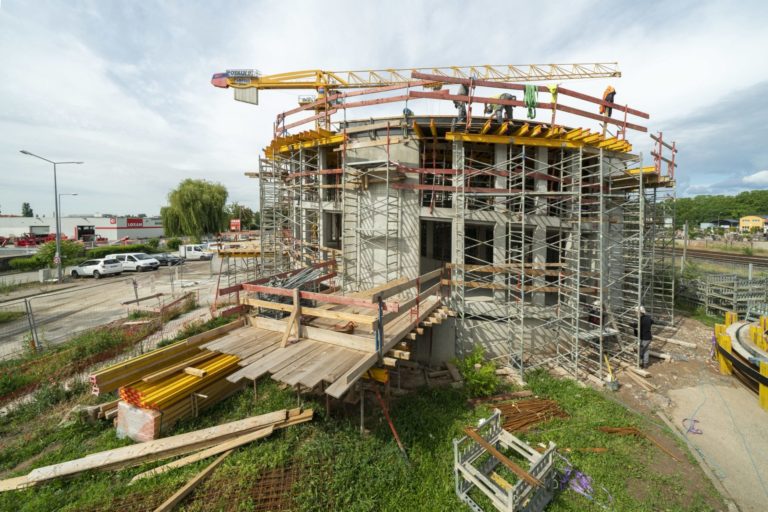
point(496, 110)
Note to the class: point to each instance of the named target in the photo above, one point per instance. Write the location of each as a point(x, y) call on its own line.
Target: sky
point(125, 85)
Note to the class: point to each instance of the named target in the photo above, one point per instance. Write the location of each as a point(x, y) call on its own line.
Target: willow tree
point(195, 208)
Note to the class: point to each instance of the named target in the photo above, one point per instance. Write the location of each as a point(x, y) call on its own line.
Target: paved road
point(61, 314)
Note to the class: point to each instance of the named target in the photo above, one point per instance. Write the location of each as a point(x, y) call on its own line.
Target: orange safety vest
point(608, 90)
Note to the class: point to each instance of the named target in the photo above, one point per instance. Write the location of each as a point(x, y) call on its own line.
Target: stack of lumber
point(113, 377)
point(180, 384)
point(168, 384)
point(207, 442)
point(142, 424)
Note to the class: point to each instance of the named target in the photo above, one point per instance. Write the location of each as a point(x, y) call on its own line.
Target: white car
point(97, 268)
point(137, 261)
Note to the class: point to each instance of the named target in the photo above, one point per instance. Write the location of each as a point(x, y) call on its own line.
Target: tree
point(26, 210)
point(248, 218)
point(195, 208)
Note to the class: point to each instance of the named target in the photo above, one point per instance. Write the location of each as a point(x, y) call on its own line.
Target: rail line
point(729, 257)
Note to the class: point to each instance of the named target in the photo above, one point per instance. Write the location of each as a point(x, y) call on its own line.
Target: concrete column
point(430, 234)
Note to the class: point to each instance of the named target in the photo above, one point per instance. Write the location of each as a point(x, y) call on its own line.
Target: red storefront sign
point(234, 224)
point(134, 222)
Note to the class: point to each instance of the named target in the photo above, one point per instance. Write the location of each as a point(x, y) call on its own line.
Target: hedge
point(27, 264)
point(100, 252)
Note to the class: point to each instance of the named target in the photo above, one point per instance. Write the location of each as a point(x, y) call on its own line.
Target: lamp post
point(57, 257)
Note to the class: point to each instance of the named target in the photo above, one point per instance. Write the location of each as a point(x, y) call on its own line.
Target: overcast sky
point(125, 85)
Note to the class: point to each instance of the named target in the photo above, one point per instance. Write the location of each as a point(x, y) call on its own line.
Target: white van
point(137, 261)
point(194, 252)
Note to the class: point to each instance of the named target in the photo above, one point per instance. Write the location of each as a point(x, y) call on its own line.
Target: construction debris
point(521, 415)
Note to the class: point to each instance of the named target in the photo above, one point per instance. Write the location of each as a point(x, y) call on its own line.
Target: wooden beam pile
point(111, 378)
point(179, 385)
point(134, 455)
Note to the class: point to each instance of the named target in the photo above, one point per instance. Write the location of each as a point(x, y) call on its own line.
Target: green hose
point(531, 93)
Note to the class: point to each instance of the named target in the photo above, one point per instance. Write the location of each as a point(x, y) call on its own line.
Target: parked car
point(97, 268)
point(137, 261)
point(194, 252)
point(167, 259)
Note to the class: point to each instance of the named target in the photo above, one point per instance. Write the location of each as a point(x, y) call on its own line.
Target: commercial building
point(85, 228)
point(752, 223)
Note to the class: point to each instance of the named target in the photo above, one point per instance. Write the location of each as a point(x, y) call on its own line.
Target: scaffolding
point(558, 235)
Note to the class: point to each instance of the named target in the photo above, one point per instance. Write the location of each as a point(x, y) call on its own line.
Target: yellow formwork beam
point(486, 127)
point(520, 132)
point(503, 128)
point(417, 130)
point(433, 127)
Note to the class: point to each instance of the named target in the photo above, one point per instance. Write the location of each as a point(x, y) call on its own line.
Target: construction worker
point(462, 105)
point(608, 95)
point(644, 322)
point(496, 109)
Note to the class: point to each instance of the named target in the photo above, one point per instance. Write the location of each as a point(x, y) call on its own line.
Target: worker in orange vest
point(608, 95)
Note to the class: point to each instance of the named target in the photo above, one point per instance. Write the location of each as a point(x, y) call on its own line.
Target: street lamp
point(57, 257)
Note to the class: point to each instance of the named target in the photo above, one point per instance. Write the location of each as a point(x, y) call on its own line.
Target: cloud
point(125, 87)
point(758, 178)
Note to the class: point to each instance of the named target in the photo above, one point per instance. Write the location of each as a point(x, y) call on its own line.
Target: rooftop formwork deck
point(549, 237)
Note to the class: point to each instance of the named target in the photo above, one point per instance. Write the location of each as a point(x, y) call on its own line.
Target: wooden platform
point(322, 354)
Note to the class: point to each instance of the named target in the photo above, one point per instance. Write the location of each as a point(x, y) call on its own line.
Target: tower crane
point(247, 82)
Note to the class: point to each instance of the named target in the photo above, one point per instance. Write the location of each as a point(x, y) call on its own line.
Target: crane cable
point(531, 93)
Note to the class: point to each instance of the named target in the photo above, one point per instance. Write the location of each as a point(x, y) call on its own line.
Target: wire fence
point(42, 321)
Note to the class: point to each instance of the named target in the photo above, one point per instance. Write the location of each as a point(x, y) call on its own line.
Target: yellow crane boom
point(323, 81)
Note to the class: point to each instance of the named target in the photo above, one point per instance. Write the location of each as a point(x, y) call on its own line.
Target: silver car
point(97, 268)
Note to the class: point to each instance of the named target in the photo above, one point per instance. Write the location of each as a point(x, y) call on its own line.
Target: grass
point(10, 316)
point(26, 373)
point(698, 313)
point(195, 328)
point(347, 471)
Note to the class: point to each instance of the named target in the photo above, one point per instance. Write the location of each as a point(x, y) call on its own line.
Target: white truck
point(192, 252)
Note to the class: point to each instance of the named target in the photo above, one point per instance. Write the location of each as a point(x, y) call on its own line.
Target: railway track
point(729, 257)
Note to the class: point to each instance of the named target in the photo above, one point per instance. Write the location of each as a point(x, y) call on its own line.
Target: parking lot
point(77, 305)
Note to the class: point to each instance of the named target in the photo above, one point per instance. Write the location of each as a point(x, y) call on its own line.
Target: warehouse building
point(85, 228)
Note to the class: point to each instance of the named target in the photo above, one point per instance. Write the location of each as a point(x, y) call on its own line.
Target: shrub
point(154, 243)
point(27, 264)
point(70, 251)
point(173, 244)
point(100, 252)
point(479, 375)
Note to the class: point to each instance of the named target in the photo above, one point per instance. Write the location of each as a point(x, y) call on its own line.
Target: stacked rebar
point(521, 415)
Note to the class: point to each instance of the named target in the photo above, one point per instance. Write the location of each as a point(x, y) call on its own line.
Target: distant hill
point(708, 208)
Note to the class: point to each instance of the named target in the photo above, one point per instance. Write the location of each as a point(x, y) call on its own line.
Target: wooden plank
point(677, 342)
point(335, 370)
point(262, 353)
point(319, 363)
point(182, 493)
point(285, 368)
point(455, 375)
point(204, 454)
point(488, 447)
point(195, 372)
point(262, 366)
point(293, 320)
point(341, 339)
point(154, 377)
point(365, 320)
point(189, 441)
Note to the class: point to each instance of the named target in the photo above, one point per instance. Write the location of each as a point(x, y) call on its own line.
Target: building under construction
point(550, 233)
